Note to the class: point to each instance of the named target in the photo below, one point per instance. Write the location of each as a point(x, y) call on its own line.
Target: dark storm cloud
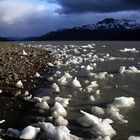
point(36, 17)
point(101, 6)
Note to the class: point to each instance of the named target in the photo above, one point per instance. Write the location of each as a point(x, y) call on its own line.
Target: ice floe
point(77, 71)
point(103, 129)
point(63, 101)
point(116, 116)
point(88, 120)
point(134, 138)
point(121, 102)
point(57, 132)
point(133, 50)
point(76, 83)
point(58, 110)
point(29, 133)
point(55, 87)
point(97, 110)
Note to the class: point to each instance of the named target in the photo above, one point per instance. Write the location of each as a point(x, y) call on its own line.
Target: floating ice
point(37, 99)
point(134, 138)
point(42, 105)
point(121, 102)
point(103, 46)
point(107, 55)
point(86, 81)
point(76, 83)
point(82, 67)
point(27, 98)
point(50, 79)
point(88, 120)
point(55, 87)
point(67, 75)
point(133, 50)
point(58, 110)
point(94, 65)
point(19, 84)
point(84, 50)
point(50, 64)
point(46, 98)
point(63, 101)
point(63, 81)
point(101, 75)
point(122, 69)
point(26, 93)
point(29, 133)
point(116, 116)
point(58, 73)
point(76, 51)
point(91, 98)
point(89, 68)
point(60, 121)
point(0, 91)
point(103, 138)
point(2, 121)
point(98, 126)
point(97, 92)
point(131, 69)
point(103, 128)
point(55, 133)
point(37, 74)
point(95, 56)
point(97, 110)
point(91, 87)
point(110, 75)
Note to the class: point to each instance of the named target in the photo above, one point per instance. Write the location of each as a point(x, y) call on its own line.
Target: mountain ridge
point(4, 39)
point(107, 29)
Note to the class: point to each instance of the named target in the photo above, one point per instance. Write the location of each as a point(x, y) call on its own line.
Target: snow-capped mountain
point(110, 23)
point(107, 29)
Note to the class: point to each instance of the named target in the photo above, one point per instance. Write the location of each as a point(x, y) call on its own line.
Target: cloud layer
point(25, 17)
point(36, 17)
point(101, 6)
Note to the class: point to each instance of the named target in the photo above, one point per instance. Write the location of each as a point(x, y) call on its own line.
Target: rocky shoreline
point(21, 70)
point(21, 64)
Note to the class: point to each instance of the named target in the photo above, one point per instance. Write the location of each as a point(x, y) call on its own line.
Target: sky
point(25, 18)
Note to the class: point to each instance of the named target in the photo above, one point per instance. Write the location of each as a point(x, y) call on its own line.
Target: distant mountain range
point(112, 24)
point(107, 29)
point(3, 39)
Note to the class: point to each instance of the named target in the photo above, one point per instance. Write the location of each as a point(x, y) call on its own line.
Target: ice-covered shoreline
point(79, 79)
point(21, 70)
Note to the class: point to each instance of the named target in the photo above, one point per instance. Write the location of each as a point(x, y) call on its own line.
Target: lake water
point(87, 61)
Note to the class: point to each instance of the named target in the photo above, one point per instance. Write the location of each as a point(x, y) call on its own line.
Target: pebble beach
point(21, 71)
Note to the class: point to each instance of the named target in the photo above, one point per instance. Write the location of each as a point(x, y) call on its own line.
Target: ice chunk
point(58, 110)
point(76, 83)
point(97, 110)
point(63, 101)
point(134, 138)
point(122, 102)
point(29, 133)
point(88, 120)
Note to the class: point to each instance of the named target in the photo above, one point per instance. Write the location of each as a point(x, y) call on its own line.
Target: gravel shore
point(18, 63)
point(24, 64)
